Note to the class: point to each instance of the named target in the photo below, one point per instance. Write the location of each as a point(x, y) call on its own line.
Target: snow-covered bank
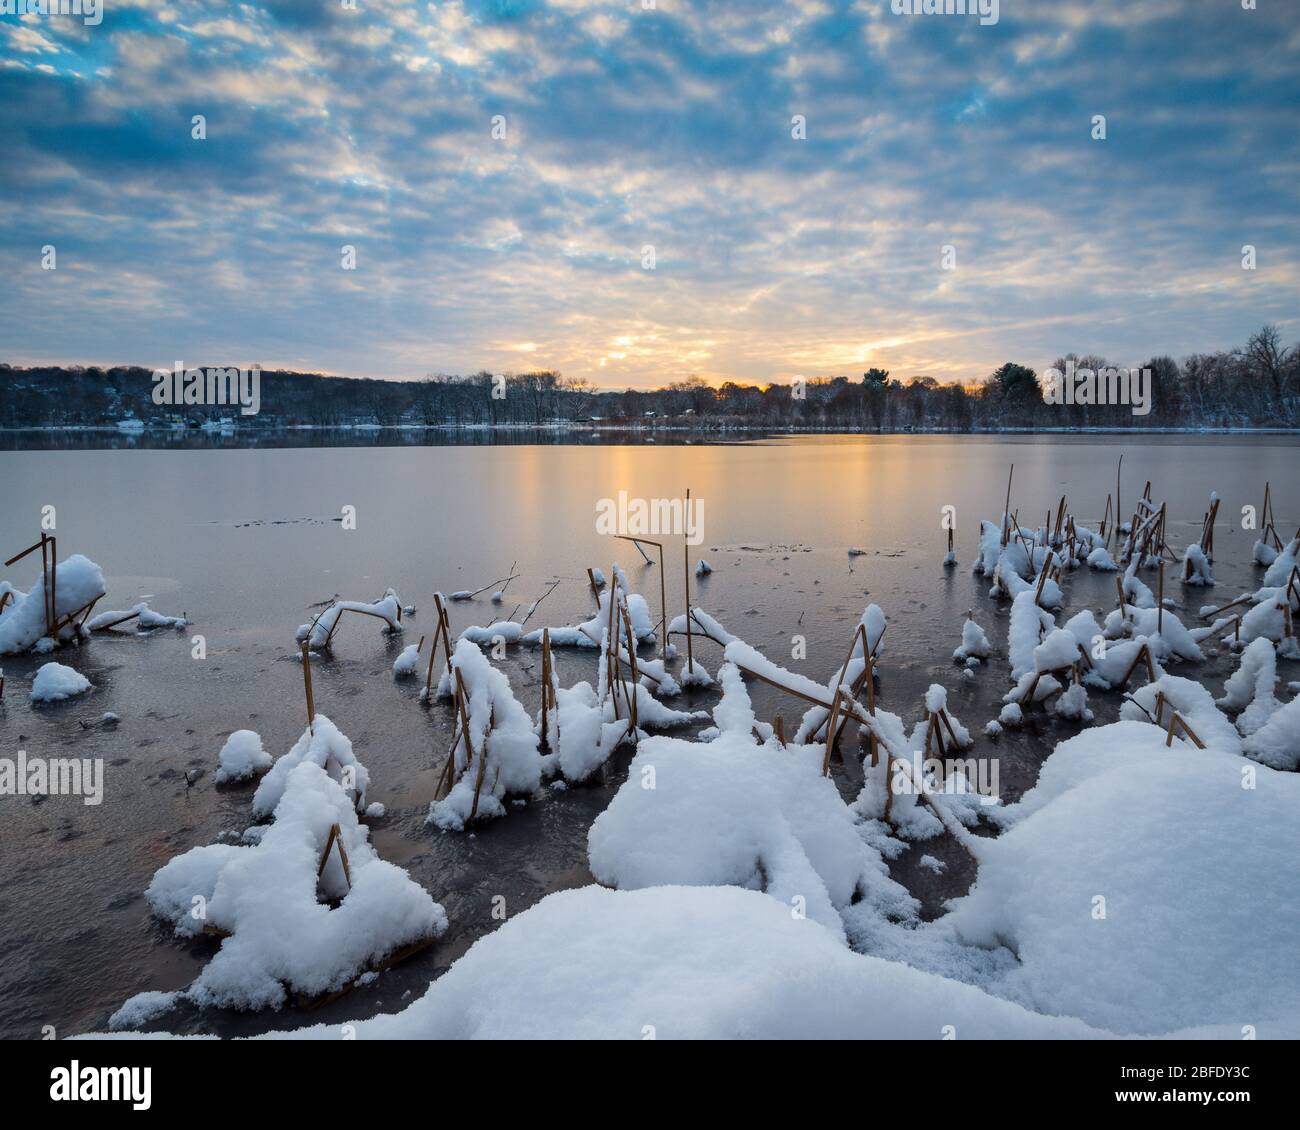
point(689, 963)
point(1140, 888)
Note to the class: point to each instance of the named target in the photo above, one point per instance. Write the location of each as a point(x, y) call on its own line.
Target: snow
point(873, 624)
point(408, 662)
point(1060, 649)
point(1277, 742)
point(1200, 918)
point(732, 811)
point(1193, 702)
point(505, 755)
point(990, 549)
point(1263, 554)
point(589, 732)
point(701, 624)
point(1277, 574)
point(264, 898)
point(1015, 575)
point(324, 745)
point(503, 631)
point(936, 700)
point(1073, 704)
point(974, 643)
point(1028, 622)
point(1115, 662)
point(78, 581)
point(142, 1008)
point(1266, 620)
point(741, 654)
point(54, 682)
point(388, 608)
point(1166, 634)
point(241, 757)
point(688, 963)
point(1196, 566)
point(1102, 561)
point(590, 632)
point(1249, 689)
point(145, 619)
point(582, 747)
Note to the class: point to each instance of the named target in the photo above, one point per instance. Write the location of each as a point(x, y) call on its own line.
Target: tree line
point(1256, 385)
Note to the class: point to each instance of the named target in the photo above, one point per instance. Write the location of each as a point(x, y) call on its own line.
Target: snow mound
point(54, 682)
point(1117, 816)
point(688, 963)
point(322, 744)
point(241, 757)
point(408, 662)
point(264, 899)
point(1249, 689)
point(1277, 742)
point(732, 811)
point(501, 757)
point(974, 643)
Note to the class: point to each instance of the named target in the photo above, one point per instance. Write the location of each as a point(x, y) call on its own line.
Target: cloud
point(627, 128)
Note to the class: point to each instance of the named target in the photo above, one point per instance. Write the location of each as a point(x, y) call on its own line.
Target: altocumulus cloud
point(627, 127)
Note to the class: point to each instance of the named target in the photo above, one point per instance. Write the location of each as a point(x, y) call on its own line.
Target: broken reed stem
point(631, 662)
point(663, 590)
point(482, 761)
point(686, 562)
point(464, 720)
point(306, 683)
point(1160, 601)
point(778, 723)
point(831, 732)
point(538, 602)
point(1006, 510)
point(1179, 721)
point(440, 632)
point(335, 839)
point(111, 623)
point(547, 689)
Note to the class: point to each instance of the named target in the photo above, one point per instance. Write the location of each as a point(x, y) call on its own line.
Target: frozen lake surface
point(244, 542)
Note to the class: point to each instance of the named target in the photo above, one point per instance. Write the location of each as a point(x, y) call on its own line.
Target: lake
point(245, 542)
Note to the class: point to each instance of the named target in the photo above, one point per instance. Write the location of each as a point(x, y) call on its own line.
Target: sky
point(502, 166)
